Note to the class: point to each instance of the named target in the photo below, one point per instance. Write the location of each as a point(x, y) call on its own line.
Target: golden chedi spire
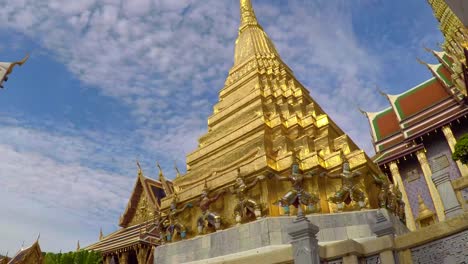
point(452, 28)
point(252, 40)
point(247, 13)
point(266, 120)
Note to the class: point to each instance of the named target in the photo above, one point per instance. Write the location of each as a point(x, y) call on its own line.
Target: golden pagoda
point(264, 122)
point(456, 42)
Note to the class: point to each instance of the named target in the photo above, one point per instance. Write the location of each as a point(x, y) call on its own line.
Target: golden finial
point(380, 91)
point(161, 175)
point(140, 171)
point(177, 170)
point(427, 49)
point(364, 113)
point(247, 14)
point(78, 246)
point(167, 189)
point(101, 236)
point(421, 61)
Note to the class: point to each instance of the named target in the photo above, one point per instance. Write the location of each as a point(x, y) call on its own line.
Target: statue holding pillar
point(384, 184)
point(172, 224)
point(349, 190)
point(208, 218)
point(297, 195)
point(246, 207)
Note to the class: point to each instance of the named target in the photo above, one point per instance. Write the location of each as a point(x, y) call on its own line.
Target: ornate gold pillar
point(439, 206)
point(351, 259)
point(108, 259)
point(387, 257)
point(452, 141)
point(399, 183)
point(123, 258)
point(405, 256)
point(142, 254)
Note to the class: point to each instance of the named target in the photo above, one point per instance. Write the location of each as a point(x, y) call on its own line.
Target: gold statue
point(172, 224)
point(349, 190)
point(246, 207)
point(297, 195)
point(384, 184)
point(392, 200)
point(208, 218)
point(400, 205)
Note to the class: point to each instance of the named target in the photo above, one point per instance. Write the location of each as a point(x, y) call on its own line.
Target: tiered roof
point(137, 222)
point(32, 254)
point(150, 190)
point(416, 111)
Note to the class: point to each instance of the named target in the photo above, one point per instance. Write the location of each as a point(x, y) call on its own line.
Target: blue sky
point(111, 81)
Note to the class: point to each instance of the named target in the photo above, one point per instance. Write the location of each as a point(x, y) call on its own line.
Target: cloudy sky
point(112, 81)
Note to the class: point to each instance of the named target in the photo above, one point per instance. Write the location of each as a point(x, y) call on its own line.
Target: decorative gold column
point(399, 183)
point(452, 141)
point(387, 257)
point(439, 206)
point(405, 256)
point(108, 259)
point(123, 258)
point(142, 254)
point(351, 259)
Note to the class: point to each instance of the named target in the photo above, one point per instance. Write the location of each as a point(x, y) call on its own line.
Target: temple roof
point(7, 67)
point(418, 98)
point(384, 123)
point(24, 253)
point(127, 237)
point(4, 260)
point(414, 110)
point(151, 189)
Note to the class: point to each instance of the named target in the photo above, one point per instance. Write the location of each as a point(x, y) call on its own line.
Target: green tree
point(80, 257)
point(461, 150)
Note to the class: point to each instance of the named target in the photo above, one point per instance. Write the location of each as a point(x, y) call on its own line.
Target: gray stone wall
point(270, 231)
point(448, 250)
point(438, 150)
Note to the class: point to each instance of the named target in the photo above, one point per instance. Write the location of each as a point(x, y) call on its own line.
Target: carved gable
point(144, 211)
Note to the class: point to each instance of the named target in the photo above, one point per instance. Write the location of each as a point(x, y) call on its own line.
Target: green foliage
point(80, 257)
point(461, 150)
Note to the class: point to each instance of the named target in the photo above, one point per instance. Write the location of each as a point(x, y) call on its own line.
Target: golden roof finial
point(247, 13)
point(421, 61)
point(140, 171)
point(177, 170)
point(101, 235)
point(161, 175)
point(167, 189)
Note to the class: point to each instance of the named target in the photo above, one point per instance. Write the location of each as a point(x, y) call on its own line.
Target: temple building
point(270, 151)
point(7, 67)
point(415, 136)
point(139, 232)
point(29, 255)
point(275, 180)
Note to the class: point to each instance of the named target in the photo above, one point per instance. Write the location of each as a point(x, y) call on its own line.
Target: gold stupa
point(265, 120)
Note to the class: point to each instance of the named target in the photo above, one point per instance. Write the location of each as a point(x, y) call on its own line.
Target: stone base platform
point(270, 232)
